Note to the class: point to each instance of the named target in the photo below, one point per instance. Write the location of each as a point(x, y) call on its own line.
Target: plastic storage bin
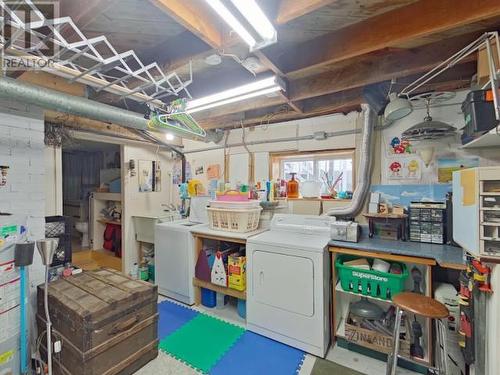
point(60, 227)
point(115, 186)
point(377, 284)
point(242, 308)
point(208, 297)
point(479, 114)
point(221, 301)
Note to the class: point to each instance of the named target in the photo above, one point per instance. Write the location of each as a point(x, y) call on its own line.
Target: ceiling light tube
point(256, 17)
point(240, 90)
point(231, 20)
point(235, 99)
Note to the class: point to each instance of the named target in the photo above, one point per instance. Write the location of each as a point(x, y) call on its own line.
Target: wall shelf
point(117, 197)
point(490, 139)
point(220, 289)
point(105, 221)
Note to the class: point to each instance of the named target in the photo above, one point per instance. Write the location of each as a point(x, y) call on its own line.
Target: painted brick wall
point(22, 149)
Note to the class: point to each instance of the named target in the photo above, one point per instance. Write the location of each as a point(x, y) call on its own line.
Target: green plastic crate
point(377, 284)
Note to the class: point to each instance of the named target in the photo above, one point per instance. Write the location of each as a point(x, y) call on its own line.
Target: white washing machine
point(288, 282)
point(174, 253)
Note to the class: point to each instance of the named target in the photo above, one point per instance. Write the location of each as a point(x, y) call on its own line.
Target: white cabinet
point(476, 210)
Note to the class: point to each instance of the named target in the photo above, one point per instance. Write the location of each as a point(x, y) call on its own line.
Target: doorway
point(92, 198)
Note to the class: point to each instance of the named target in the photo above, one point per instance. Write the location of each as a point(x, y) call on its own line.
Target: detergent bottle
point(293, 187)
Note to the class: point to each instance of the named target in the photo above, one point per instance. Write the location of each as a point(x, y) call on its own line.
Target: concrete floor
point(166, 365)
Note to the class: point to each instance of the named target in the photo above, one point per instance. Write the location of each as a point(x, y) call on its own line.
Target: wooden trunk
point(107, 322)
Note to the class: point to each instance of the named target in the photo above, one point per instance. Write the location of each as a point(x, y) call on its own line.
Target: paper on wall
point(403, 168)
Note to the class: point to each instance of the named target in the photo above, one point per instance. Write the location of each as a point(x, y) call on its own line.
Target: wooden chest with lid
point(107, 322)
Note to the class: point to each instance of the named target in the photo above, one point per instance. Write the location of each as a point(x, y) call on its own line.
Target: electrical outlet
point(57, 346)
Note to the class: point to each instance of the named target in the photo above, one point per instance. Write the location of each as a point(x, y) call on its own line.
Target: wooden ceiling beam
point(194, 17)
point(340, 102)
point(82, 13)
point(377, 67)
point(176, 52)
point(292, 9)
point(398, 26)
point(334, 103)
point(272, 66)
point(84, 124)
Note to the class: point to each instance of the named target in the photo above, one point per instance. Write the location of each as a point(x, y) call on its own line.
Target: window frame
point(276, 160)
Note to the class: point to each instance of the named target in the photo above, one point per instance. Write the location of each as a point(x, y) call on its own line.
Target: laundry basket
point(241, 221)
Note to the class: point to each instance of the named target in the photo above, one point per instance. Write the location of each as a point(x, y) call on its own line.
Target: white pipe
point(277, 140)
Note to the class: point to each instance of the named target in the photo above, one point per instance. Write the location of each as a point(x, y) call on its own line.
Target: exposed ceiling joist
point(292, 9)
point(357, 72)
point(198, 20)
point(377, 67)
point(333, 103)
point(416, 20)
point(194, 17)
point(340, 102)
point(176, 52)
point(82, 12)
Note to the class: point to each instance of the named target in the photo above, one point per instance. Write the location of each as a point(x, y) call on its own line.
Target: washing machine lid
point(290, 240)
point(184, 224)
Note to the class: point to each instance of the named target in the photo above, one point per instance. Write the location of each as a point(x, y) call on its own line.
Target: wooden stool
point(427, 307)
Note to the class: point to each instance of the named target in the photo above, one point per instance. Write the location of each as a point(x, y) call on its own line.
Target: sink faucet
point(168, 207)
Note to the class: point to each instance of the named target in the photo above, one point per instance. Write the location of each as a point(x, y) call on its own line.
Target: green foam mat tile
point(202, 341)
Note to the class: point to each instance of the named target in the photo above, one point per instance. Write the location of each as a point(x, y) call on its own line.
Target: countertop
point(445, 255)
point(205, 230)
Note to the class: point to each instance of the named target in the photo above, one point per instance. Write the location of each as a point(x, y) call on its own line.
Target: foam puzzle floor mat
point(214, 346)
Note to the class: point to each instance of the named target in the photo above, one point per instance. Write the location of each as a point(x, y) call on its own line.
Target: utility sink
point(145, 225)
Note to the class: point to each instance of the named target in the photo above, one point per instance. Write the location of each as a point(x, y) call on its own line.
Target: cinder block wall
point(22, 149)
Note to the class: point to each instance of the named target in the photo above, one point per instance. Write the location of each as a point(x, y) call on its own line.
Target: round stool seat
point(420, 305)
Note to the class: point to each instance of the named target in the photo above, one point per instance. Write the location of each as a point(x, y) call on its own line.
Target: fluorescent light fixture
point(254, 86)
point(231, 20)
point(256, 17)
point(169, 136)
point(236, 99)
point(247, 91)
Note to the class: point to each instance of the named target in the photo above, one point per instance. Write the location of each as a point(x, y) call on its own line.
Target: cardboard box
point(375, 198)
point(483, 70)
point(398, 210)
point(373, 208)
point(237, 272)
point(375, 340)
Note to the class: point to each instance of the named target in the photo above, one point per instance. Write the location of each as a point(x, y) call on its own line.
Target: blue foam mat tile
point(254, 354)
point(172, 317)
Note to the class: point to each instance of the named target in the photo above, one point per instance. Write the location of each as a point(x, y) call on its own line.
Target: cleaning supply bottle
point(293, 187)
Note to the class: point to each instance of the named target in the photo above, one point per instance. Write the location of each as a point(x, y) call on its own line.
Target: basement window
point(314, 165)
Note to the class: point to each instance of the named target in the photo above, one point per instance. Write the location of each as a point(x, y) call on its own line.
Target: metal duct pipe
point(365, 167)
point(50, 99)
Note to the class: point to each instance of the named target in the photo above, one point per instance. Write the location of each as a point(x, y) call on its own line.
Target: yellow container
point(237, 272)
point(195, 188)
